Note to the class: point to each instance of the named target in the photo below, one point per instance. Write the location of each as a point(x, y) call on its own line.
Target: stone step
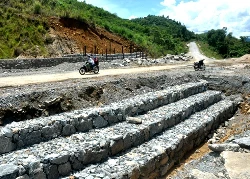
point(155, 158)
point(62, 155)
point(20, 134)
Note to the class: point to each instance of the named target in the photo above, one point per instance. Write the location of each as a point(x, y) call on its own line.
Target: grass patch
point(21, 34)
point(208, 50)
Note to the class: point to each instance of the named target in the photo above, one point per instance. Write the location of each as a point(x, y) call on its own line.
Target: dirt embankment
point(69, 36)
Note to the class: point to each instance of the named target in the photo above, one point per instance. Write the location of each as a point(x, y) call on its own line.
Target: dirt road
point(195, 52)
point(45, 77)
point(41, 78)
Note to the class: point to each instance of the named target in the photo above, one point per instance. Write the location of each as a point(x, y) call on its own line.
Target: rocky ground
point(230, 77)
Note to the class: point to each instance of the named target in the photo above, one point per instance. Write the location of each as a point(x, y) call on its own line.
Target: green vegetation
point(156, 34)
point(19, 31)
point(24, 27)
point(208, 50)
point(168, 36)
point(220, 44)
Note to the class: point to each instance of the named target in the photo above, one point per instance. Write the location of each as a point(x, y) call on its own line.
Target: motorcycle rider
point(96, 61)
point(201, 63)
point(91, 62)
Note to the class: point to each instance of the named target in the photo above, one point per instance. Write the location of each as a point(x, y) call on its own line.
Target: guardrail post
point(106, 54)
point(110, 48)
point(122, 53)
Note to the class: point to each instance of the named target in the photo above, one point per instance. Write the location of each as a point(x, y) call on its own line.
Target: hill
point(53, 28)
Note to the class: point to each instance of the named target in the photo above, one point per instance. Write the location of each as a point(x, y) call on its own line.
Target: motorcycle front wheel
point(82, 71)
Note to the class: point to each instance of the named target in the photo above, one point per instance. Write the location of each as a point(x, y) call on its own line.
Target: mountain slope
point(53, 28)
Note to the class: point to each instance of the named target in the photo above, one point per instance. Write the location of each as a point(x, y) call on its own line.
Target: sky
point(197, 15)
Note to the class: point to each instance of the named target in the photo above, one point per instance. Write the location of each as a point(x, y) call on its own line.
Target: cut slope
point(71, 36)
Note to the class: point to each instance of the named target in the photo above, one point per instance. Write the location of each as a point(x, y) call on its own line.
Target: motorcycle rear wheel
point(82, 71)
point(96, 69)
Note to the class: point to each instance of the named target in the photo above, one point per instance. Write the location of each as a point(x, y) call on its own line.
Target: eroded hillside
point(70, 36)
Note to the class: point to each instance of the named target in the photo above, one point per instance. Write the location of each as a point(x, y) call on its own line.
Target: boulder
point(134, 120)
point(243, 142)
point(224, 147)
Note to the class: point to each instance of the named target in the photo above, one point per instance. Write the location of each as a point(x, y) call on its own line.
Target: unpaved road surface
point(22, 79)
point(42, 78)
point(195, 52)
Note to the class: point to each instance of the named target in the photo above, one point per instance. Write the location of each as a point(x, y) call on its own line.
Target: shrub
point(106, 26)
point(66, 14)
point(48, 39)
point(40, 29)
point(18, 51)
point(37, 8)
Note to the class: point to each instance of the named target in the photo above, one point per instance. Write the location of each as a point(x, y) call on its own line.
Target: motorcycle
point(199, 65)
point(87, 68)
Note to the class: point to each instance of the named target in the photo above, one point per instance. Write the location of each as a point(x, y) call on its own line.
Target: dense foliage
point(23, 27)
point(225, 44)
point(167, 34)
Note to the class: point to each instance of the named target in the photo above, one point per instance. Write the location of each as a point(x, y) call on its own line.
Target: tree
point(216, 39)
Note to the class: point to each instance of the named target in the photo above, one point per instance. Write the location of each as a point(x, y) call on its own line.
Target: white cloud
point(203, 15)
point(132, 17)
